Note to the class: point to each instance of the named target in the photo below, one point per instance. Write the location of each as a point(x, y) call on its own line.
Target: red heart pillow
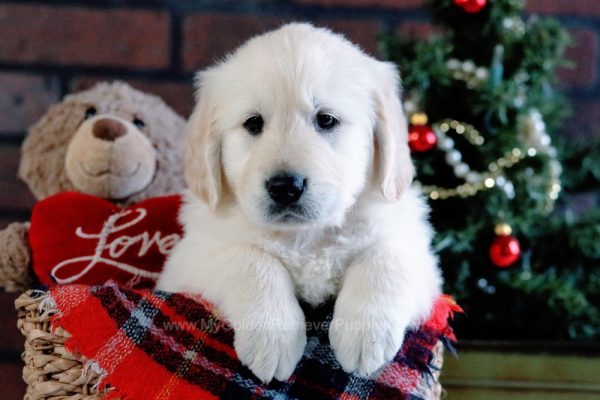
point(78, 238)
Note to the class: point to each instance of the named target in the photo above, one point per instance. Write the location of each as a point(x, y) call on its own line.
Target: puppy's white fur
point(363, 237)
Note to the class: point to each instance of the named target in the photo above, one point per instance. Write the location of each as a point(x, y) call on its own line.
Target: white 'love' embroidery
point(117, 247)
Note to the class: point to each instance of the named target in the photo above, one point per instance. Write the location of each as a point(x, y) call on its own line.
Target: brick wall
point(49, 49)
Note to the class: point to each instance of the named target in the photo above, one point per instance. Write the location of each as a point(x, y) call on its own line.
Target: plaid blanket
point(158, 345)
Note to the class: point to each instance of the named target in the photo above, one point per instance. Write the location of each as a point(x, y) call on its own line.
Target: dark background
point(50, 48)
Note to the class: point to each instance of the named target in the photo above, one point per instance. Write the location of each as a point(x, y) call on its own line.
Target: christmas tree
point(485, 135)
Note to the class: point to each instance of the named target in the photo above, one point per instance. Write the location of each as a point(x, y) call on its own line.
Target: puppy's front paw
point(271, 344)
point(365, 338)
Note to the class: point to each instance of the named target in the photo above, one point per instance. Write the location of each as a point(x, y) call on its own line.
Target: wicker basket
point(52, 372)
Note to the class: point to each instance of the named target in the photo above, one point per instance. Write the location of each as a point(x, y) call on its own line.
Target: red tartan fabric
point(158, 345)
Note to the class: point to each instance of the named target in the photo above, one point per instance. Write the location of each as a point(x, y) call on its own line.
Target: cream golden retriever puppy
point(299, 172)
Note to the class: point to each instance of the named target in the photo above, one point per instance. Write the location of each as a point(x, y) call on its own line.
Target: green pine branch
point(553, 291)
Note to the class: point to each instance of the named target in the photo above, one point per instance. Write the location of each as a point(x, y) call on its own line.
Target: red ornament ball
point(471, 6)
point(421, 138)
point(505, 251)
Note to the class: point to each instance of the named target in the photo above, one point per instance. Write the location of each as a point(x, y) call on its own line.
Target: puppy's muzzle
point(285, 188)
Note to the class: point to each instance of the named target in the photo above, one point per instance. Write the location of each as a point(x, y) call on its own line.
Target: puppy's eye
point(139, 123)
point(326, 121)
point(90, 112)
point(254, 124)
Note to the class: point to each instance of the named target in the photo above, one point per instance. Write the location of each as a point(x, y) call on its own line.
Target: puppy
point(299, 172)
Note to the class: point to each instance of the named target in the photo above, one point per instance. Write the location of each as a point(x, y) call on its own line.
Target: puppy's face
point(286, 128)
point(298, 145)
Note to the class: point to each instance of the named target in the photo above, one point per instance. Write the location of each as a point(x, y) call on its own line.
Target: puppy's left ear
point(202, 153)
point(396, 169)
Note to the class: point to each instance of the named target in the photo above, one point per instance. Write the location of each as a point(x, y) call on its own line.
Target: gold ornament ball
point(418, 119)
point(503, 229)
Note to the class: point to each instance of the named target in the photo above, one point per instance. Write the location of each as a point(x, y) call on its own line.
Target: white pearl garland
point(474, 181)
point(468, 72)
point(532, 133)
point(531, 130)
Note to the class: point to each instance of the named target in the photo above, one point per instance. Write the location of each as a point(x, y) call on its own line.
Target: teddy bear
point(109, 143)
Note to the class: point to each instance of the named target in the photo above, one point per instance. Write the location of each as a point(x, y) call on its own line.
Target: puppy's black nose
point(285, 188)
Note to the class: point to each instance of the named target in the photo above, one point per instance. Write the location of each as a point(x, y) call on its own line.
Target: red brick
point(583, 7)
point(180, 96)
point(396, 4)
point(209, 36)
point(12, 340)
point(11, 380)
point(8, 219)
point(417, 30)
point(15, 193)
point(584, 53)
point(80, 36)
point(24, 99)
point(363, 33)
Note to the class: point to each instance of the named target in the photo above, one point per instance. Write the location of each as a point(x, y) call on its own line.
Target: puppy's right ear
point(391, 135)
point(202, 153)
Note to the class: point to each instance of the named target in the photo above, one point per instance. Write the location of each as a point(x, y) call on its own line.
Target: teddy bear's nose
point(108, 129)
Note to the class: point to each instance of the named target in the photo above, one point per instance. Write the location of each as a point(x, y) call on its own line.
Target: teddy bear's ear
point(44, 149)
point(202, 153)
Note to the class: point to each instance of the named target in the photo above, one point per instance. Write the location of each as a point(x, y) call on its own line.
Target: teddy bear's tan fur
point(111, 141)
